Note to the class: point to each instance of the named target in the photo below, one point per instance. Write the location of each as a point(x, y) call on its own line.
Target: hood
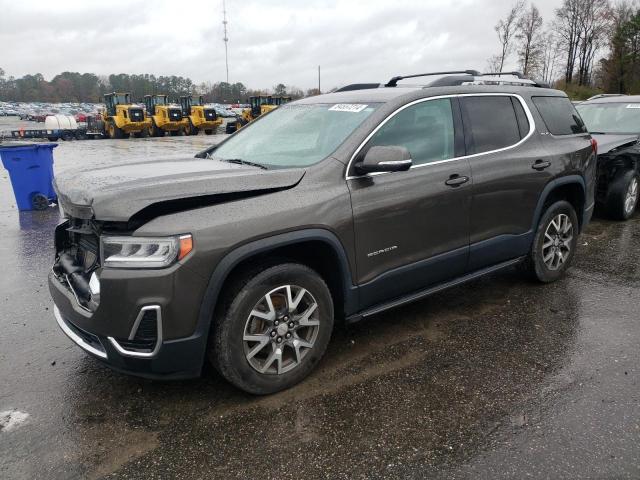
point(607, 142)
point(116, 193)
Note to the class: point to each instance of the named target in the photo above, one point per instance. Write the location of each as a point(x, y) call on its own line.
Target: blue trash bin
point(30, 167)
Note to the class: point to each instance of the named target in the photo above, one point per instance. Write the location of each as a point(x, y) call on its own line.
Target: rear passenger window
point(490, 123)
point(425, 129)
point(559, 115)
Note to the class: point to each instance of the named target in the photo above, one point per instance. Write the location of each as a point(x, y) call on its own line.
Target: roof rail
point(394, 81)
point(358, 86)
point(499, 74)
point(605, 95)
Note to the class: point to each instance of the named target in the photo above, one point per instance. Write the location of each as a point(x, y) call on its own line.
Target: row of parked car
point(39, 111)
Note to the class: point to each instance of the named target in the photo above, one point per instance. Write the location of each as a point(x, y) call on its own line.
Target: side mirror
point(385, 159)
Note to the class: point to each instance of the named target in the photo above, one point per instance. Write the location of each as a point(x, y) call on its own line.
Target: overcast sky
point(270, 41)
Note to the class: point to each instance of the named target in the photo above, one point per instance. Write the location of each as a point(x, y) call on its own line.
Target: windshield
point(611, 117)
point(295, 135)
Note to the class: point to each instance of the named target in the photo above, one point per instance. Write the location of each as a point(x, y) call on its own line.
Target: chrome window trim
point(73, 336)
point(132, 353)
point(527, 111)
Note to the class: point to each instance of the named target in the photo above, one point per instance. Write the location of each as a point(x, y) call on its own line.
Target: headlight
point(144, 252)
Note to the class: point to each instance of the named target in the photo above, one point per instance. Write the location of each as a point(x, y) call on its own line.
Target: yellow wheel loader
point(260, 105)
point(163, 116)
point(198, 116)
point(121, 117)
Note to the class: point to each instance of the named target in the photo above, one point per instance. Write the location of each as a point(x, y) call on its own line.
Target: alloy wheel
point(557, 241)
point(631, 198)
point(281, 330)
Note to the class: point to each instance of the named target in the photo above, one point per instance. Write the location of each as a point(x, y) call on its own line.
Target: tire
point(119, 133)
point(538, 264)
point(193, 130)
point(230, 351)
point(208, 131)
point(155, 131)
point(622, 198)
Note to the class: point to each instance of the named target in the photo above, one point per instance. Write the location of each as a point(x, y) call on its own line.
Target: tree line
point(89, 87)
point(588, 46)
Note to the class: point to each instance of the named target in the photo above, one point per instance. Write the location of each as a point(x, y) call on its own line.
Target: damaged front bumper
point(142, 322)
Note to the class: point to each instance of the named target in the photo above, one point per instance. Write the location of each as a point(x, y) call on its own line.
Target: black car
point(336, 206)
point(614, 121)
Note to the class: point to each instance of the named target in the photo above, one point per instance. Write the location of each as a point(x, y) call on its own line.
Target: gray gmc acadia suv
point(337, 206)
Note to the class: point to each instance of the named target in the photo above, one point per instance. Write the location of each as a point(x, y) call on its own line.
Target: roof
point(616, 99)
point(388, 94)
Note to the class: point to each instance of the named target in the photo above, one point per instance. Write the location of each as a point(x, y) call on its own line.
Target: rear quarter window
point(490, 123)
point(559, 115)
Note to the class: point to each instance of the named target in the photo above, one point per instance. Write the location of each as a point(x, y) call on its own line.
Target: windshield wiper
point(239, 161)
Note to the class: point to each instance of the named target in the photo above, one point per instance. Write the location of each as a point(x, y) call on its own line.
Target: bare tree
point(528, 35)
point(493, 64)
point(582, 26)
point(594, 25)
point(505, 28)
point(567, 27)
point(549, 57)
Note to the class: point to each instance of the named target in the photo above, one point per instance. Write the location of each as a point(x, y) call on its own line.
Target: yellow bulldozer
point(198, 116)
point(121, 117)
point(259, 105)
point(163, 116)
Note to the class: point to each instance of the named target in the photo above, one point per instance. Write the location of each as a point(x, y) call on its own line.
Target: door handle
point(540, 165)
point(456, 180)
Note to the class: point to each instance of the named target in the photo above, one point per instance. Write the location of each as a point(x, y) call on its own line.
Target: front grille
point(146, 336)
point(77, 257)
point(175, 114)
point(82, 243)
point(136, 114)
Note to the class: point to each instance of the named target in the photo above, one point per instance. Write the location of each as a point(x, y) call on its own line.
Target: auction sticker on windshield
point(348, 107)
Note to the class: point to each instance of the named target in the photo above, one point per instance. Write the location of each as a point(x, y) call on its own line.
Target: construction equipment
point(121, 117)
point(259, 105)
point(163, 116)
point(198, 116)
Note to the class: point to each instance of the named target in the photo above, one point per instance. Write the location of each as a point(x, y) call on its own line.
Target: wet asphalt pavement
point(500, 378)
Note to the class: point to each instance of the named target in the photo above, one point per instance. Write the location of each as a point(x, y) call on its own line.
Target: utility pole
point(226, 37)
point(319, 92)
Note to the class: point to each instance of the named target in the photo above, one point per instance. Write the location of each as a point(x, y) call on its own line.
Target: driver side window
point(425, 129)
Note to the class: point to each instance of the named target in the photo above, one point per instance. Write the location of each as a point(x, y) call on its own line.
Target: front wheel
point(272, 329)
point(622, 199)
point(554, 244)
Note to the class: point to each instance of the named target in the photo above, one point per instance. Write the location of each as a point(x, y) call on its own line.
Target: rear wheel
point(622, 199)
point(272, 329)
point(554, 244)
